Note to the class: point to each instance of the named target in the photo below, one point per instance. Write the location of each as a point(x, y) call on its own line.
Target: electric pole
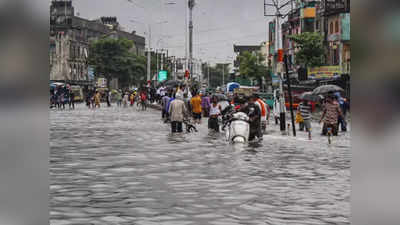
point(191, 5)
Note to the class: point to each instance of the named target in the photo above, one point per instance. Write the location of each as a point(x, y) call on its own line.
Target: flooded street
point(121, 166)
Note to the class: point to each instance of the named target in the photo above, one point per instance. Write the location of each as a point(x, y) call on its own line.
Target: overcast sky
point(218, 24)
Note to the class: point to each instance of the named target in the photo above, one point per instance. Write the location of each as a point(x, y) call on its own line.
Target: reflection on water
point(120, 166)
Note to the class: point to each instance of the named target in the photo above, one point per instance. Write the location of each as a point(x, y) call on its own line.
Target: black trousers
point(72, 104)
point(343, 124)
point(176, 127)
point(164, 114)
point(255, 131)
point(213, 124)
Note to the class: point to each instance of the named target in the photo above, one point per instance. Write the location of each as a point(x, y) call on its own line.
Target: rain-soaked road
point(121, 166)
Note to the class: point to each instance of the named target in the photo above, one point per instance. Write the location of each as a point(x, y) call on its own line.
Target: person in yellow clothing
point(132, 99)
point(300, 120)
point(97, 98)
point(196, 108)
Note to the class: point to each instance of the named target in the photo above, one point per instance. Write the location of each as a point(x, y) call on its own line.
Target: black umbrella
point(308, 96)
point(220, 97)
point(172, 83)
point(324, 89)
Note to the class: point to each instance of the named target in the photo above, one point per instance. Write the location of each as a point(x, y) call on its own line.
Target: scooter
point(239, 128)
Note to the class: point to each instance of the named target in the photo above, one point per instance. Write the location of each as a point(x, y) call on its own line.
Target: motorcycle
point(238, 126)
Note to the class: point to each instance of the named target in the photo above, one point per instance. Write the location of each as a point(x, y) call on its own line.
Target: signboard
point(308, 12)
point(243, 91)
point(90, 73)
point(162, 75)
point(324, 72)
point(345, 26)
point(275, 80)
point(334, 37)
point(101, 83)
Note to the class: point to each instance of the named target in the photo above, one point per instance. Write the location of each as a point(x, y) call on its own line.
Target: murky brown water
point(121, 166)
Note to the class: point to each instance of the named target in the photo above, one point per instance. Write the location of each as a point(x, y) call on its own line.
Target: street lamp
point(149, 47)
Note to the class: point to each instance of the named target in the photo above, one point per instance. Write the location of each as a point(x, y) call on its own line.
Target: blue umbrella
point(231, 86)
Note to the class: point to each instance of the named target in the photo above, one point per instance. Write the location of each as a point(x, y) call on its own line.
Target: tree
point(251, 66)
point(134, 72)
point(310, 49)
point(112, 58)
point(215, 73)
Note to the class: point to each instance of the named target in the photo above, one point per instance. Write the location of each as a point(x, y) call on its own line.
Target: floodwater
point(121, 166)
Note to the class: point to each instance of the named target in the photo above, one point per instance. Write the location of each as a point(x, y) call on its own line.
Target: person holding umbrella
point(330, 115)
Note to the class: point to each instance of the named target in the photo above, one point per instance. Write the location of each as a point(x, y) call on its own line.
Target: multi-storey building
point(70, 37)
point(333, 21)
point(330, 18)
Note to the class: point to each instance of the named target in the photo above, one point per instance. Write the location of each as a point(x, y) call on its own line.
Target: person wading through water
point(254, 114)
point(196, 108)
point(215, 111)
point(330, 116)
point(178, 112)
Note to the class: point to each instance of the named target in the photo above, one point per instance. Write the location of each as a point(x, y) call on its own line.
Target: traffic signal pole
point(290, 94)
point(278, 46)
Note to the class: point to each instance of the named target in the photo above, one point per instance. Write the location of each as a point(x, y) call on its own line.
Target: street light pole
point(158, 66)
point(208, 75)
point(223, 75)
point(149, 56)
point(162, 59)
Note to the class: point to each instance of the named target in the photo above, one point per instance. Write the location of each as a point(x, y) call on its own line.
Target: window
point(331, 28)
point(337, 26)
point(335, 57)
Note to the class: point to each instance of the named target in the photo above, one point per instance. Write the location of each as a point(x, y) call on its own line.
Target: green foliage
point(112, 58)
point(251, 66)
point(310, 49)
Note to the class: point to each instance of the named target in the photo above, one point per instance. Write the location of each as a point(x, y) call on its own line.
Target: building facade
point(330, 18)
point(70, 37)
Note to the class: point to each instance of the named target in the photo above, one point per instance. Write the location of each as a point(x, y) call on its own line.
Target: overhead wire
point(222, 40)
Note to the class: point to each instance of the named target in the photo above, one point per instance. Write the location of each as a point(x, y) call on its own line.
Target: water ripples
point(121, 166)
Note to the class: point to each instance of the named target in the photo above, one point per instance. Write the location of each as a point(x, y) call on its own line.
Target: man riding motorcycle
point(246, 105)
